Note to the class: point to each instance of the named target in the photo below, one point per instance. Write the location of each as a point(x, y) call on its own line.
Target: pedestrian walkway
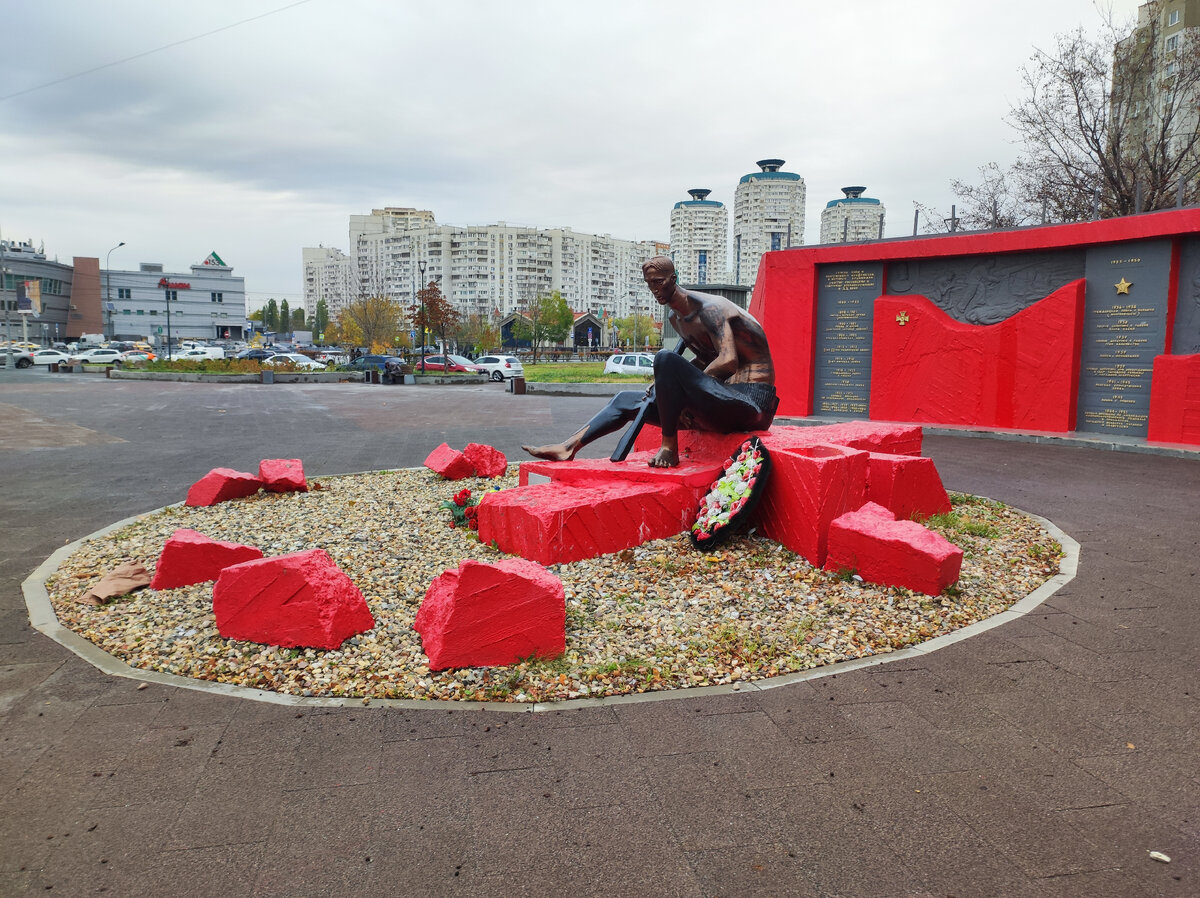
point(1047, 757)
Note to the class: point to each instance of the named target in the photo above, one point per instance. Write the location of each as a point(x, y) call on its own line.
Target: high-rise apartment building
point(1154, 89)
point(768, 214)
point(853, 217)
point(492, 270)
point(699, 239)
point(329, 274)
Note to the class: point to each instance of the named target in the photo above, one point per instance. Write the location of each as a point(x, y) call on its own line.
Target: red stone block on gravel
point(906, 485)
point(883, 550)
point(554, 522)
point(450, 463)
point(484, 615)
point(487, 461)
point(897, 439)
point(302, 599)
point(808, 487)
point(221, 485)
point(282, 475)
point(190, 557)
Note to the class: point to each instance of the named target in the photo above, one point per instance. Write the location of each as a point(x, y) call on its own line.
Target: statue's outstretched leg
point(620, 410)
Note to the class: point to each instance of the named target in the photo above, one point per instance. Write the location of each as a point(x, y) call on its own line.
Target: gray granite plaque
point(986, 289)
point(1186, 336)
point(846, 297)
point(1124, 328)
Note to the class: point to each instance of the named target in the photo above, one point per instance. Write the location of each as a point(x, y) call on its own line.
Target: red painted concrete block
point(302, 599)
point(696, 445)
point(695, 475)
point(450, 463)
point(1175, 400)
point(221, 485)
point(807, 489)
point(883, 550)
point(282, 475)
point(906, 485)
point(553, 523)
point(1020, 373)
point(189, 557)
point(485, 615)
point(897, 439)
point(487, 461)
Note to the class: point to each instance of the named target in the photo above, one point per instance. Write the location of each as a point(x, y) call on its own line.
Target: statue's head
point(660, 277)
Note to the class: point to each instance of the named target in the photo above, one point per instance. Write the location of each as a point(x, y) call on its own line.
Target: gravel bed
point(661, 616)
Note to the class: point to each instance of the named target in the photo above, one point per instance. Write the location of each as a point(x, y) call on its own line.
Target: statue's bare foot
point(666, 458)
point(557, 452)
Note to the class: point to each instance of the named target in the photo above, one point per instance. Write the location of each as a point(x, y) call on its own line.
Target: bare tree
point(996, 201)
point(1109, 125)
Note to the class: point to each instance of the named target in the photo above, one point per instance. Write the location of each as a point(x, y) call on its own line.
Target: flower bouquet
point(730, 502)
point(464, 511)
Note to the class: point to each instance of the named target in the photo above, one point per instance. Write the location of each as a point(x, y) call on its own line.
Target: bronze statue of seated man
point(727, 388)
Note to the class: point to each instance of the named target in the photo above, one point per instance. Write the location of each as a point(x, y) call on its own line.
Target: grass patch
point(578, 373)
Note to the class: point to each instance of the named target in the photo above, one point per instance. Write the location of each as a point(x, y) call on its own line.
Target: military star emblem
point(1123, 286)
point(902, 319)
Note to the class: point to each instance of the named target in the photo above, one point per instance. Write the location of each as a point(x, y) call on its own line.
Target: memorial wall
point(1084, 360)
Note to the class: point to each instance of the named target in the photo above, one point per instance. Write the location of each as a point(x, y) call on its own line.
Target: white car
point(98, 356)
point(499, 367)
point(295, 358)
point(50, 357)
point(630, 363)
point(199, 351)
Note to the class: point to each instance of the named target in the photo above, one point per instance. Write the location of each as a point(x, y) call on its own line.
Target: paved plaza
point(1047, 757)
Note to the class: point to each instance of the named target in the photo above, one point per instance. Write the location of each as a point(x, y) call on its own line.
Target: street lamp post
point(634, 307)
point(108, 306)
point(421, 266)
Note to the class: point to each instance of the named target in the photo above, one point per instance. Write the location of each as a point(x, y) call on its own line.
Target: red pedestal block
point(221, 485)
point(189, 557)
point(898, 439)
point(282, 475)
point(695, 475)
point(450, 463)
point(1175, 400)
point(808, 488)
point(694, 445)
point(484, 615)
point(553, 523)
point(883, 550)
point(906, 485)
point(302, 599)
point(487, 461)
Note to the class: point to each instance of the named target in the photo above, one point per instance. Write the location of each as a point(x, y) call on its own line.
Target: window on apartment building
point(1173, 18)
point(124, 293)
point(152, 311)
point(172, 295)
point(127, 311)
point(217, 297)
point(1173, 43)
point(143, 312)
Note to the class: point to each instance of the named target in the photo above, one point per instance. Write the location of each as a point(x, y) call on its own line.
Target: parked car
point(294, 358)
point(499, 367)
point(22, 358)
point(630, 363)
point(332, 358)
point(191, 350)
point(98, 356)
point(133, 356)
point(255, 354)
point(50, 357)
point(366, 362)
point(450, 363)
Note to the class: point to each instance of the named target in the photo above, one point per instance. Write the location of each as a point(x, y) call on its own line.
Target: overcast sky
point(192, 129)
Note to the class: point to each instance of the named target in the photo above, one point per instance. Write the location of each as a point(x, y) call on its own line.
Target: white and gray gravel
point(660, 616)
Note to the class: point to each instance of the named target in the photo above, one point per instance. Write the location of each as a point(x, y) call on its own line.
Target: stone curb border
point(44, 620)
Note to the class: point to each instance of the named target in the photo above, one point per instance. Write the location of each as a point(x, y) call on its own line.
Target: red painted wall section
point(790, 321)
point(1175, 400)
point(1020, 373)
